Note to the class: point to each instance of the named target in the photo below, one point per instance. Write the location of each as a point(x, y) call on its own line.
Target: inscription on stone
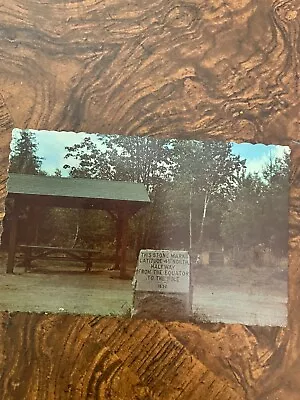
point(164, 271)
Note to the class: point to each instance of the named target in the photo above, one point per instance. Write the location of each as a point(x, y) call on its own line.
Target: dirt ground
point(251, 296)
point(65, 288)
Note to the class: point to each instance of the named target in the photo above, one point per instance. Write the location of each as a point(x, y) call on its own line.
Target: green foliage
point(122, 158)
point(259, 212)
point(209, 173)
point(201, 179)
point(23, 160)
point(57, 172)
point(209, 166)
point(200, 195)
point(23, 157)
point(77, 228)
point(92, 160)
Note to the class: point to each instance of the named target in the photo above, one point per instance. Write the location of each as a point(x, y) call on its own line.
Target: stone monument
point(162, 285)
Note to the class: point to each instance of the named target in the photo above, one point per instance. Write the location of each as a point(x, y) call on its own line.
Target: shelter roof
point(87, 190)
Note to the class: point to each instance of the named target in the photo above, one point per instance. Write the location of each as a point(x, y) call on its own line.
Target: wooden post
point(124, 217)
point(13, 238)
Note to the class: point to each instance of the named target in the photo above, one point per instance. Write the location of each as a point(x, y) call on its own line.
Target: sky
point(257, 155)
point(51, 147)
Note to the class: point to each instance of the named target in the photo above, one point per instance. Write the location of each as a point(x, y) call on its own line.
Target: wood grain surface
point(187, 69)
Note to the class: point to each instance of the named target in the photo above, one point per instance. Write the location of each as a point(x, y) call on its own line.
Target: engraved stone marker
point(165, 271)
point(162, 284)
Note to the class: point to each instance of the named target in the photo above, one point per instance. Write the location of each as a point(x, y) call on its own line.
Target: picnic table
point(32, 253)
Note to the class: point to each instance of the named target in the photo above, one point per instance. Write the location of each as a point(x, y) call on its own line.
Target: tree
point(241, 226)
point(92, 161)
point(275, 203)
point(124, 158)
point(23, 157)
point(212, 172)
point(258, 214)
point(58, 172)
point(23, 160)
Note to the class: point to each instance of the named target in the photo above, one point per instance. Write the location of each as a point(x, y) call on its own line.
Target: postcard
point(192, 230)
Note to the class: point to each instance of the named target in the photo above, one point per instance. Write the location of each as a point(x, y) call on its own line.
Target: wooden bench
point(31, 253)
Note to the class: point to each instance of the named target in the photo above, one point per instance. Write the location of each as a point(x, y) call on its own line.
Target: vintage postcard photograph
point(168, 229)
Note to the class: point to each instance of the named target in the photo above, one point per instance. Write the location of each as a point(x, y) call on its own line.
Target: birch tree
point(212, 171)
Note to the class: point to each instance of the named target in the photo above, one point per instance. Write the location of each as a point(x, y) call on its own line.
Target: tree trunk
point(190, 220)
point(77, 231)
point(206, 201)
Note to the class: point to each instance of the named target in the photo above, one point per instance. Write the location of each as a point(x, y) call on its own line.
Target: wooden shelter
point(120, 199)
